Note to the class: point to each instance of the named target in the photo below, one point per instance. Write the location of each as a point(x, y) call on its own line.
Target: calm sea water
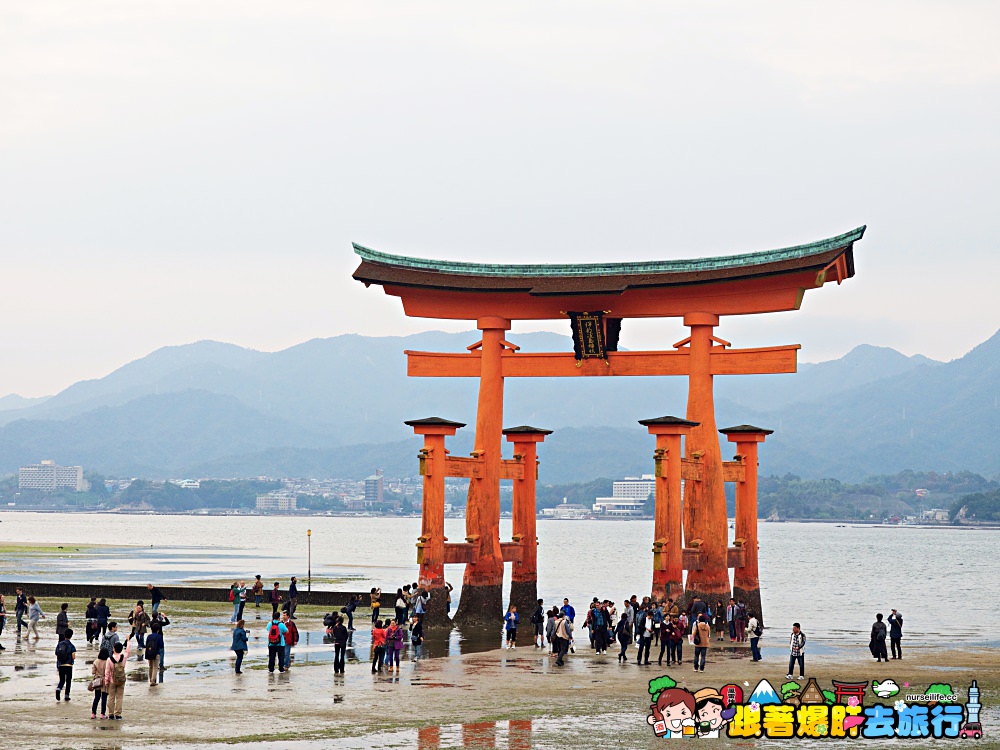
point(832, 580)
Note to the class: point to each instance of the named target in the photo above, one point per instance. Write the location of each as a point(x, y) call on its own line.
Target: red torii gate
point(699, 291)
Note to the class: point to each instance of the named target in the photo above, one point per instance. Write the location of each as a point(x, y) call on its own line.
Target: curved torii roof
point(454, 289)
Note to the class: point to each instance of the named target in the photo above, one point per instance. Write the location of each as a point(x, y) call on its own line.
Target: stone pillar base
point(709, 597)
point(480, 607)
point(751, 597)
point(436, 613)
point(524, 595)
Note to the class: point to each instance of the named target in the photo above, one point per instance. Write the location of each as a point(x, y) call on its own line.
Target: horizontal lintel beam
point(760, 361)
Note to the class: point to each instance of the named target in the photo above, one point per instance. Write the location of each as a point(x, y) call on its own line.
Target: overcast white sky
point(176, 171)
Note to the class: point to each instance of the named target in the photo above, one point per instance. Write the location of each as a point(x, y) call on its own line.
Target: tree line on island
point(968, 497)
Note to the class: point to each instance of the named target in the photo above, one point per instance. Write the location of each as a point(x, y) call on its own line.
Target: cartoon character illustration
point(885, 689)
point(711, 712)
point(672, 713)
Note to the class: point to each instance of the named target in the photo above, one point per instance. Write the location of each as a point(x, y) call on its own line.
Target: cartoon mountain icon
point(764, 694)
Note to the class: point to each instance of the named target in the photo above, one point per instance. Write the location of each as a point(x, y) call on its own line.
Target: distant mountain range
point(335, 407)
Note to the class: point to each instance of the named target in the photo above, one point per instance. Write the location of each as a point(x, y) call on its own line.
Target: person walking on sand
point(756, 631)
point(701, 637)
point(417, 637)
point(393, 644)
point(140, 623)
point(510, 625)
point(65, 656)
point(352, 604)
point(20, 610)
point(103, 612)
point(293, 597)
point(154, 644)
point(340, 636)
point(258, 593)
point(114, 678)
point(111, 638)
point(34, 615)
point(90, 616)
point(275, 601)
point(276, 635)
point(3, 617)
point(624, 637)
point(97, 683)
point(291, 638)
point(563, 636)
point(155, 596)
point(797, 651)
point(719, 617)
point(240, 638)
point(62, 620)
point(538, 624)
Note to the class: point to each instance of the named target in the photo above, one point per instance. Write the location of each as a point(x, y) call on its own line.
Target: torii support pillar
point(524, 572)
point(430, 547)
point(746, 584)
point(668, 535)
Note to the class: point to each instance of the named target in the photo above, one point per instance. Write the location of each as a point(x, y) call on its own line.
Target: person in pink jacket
point(114, 678)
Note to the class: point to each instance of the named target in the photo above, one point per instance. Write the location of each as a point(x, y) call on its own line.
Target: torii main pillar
point(482, 586)
point(705, 500)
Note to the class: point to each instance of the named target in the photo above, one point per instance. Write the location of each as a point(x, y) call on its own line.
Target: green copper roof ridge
point(743, 260)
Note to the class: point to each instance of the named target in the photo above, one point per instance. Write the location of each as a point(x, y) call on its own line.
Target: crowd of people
point(646, 624)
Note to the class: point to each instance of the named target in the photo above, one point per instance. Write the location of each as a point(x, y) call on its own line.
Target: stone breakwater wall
point(128, 592)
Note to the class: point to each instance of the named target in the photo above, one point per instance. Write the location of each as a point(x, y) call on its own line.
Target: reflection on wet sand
point(480, 736)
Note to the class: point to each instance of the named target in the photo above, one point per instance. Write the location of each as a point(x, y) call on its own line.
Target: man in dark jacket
point(293, 597)
point(896, 634)
point(877, 645)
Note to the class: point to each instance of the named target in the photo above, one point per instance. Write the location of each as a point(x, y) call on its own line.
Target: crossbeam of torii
point(699, 291)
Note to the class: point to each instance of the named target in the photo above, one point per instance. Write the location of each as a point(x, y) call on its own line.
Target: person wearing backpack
point(756, 631)
point(111, 637)
point(741, 622)
point(538, 623)
point(276, 634)
point(152, 652)
point(239, 644)
point(98, 685)
point(114, 678)
point(624, 636)
point(65, 656)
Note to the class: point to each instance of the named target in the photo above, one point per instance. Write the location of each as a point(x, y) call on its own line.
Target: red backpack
point(274, 635)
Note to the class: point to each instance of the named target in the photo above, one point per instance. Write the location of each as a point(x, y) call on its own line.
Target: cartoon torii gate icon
point(598, 297)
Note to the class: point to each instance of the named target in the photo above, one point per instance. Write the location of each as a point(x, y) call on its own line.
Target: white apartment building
point(48, 476)
point(627, 497)
point(276, 501)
